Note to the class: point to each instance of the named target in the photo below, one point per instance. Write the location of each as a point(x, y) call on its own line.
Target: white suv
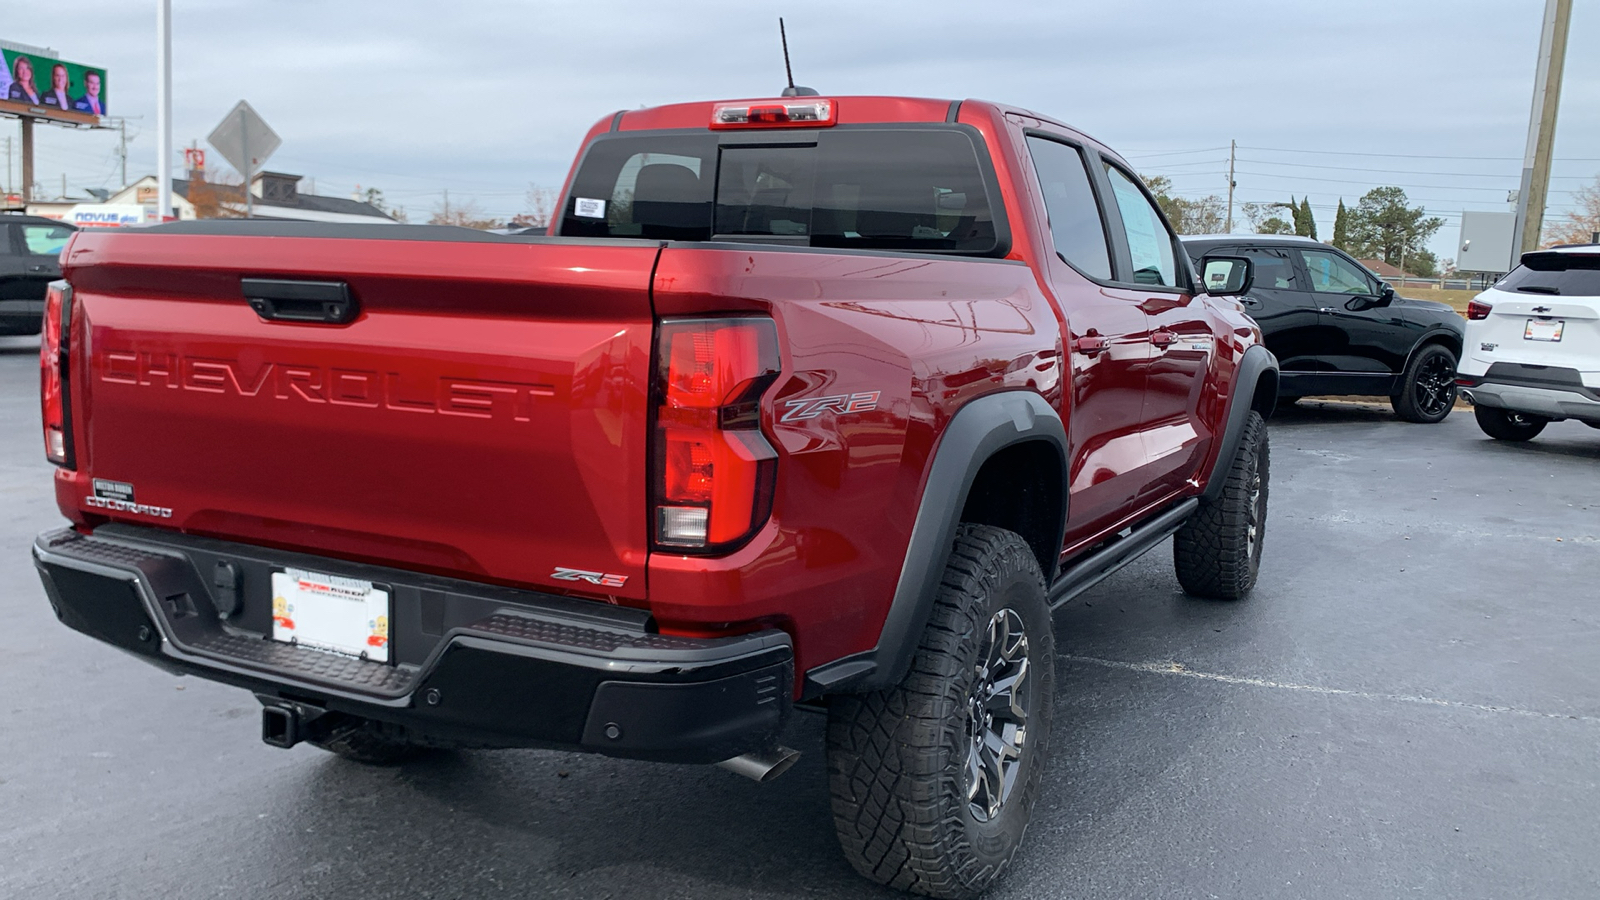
point(1532, 351)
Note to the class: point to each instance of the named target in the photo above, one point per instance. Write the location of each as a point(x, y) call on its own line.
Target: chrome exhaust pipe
point(763, 765)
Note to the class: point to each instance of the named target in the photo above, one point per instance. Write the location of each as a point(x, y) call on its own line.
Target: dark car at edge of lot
point(30, 250)
point(1338, 329)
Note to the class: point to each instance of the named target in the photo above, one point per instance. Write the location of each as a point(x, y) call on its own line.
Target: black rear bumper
point(472, 664)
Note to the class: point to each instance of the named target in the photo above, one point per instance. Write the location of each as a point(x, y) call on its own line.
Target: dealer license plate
point(328, 612)
point(1543, 330)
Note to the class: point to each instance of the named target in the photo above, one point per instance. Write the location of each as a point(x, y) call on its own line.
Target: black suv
point(30, 258)
point(1336, 328)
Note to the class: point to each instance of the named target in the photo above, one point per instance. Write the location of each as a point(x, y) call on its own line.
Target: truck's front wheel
point(1217, 552)
point(933, 780)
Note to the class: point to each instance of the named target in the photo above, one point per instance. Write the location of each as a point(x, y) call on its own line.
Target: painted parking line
point(1182, 671)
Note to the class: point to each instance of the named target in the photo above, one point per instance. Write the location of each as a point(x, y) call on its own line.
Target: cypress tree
point(1341, 228)
point(1310, 220)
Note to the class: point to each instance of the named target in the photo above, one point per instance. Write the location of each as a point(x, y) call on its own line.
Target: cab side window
point(1333, 274)
point(1075, 223)
point(1149, 242)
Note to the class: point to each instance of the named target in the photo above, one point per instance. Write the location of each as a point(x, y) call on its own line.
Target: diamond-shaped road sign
point(244, 140)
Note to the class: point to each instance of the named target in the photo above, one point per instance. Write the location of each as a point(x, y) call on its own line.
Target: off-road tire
point(1424, 378)
point(898, 758)
point(1216, 553)
point(1508, 425)
point(368, 742)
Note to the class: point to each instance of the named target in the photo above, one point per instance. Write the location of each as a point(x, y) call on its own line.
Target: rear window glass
point(44, 240)
point(1558, 274)
point(911, 189)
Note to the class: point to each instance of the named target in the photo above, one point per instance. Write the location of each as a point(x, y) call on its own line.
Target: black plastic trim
point(1554, 378)
point(616, 120)
point(289, 300)
point(1090, 570)
point(1257, 362)
point(954, 114)
point(540, 671)
point(977, 431)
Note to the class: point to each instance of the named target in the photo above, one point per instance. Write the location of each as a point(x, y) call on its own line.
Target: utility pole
point(447, 205)
point(27, 159)
point(1542, 124)
point(1233, 147)
point(122, 148)
point(9, 181)
point(164, 109)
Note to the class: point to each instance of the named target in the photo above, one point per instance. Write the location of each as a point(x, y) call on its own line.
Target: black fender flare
point(976, 432)
point(1431, 336)
point(1256, 362)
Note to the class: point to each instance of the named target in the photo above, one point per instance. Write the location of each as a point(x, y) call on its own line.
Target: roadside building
point(276, 195)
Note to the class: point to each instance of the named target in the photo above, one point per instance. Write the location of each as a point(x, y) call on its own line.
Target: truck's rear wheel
point(1508, 425)
point(933, 780)
point(1217, 552)
point(368, 742)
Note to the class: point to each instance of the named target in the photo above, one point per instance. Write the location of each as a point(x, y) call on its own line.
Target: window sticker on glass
point(589, 208)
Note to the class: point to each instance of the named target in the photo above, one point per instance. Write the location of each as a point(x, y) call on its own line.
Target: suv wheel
point(1427, 387)
point(1506, 425)
point(933, 780)
point(1217, 552)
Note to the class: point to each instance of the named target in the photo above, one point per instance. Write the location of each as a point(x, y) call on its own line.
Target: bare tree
point(216, 199)
point(541, 204)
point(1579, 225)
point(467, 215)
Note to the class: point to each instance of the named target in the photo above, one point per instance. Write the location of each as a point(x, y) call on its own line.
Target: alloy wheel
point(1435, 388)
point(998, 711)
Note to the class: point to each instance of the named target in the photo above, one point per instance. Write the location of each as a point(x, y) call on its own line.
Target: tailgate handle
point(281, 300)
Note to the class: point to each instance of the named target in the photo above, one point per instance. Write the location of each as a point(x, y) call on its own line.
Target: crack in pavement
point(1178, 669)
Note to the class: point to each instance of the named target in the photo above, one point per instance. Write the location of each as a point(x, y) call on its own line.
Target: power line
point(1271, 162)
point(1132, 156)
point(1413, 155)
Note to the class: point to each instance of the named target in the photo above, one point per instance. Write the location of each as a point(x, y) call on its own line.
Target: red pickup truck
point(808, 403)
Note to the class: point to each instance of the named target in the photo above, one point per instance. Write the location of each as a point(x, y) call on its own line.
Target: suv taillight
point(714, 471)
point(54, 386)
point(1477, 309)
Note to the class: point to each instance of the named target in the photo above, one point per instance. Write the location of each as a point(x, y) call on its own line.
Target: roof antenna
point(792, 90)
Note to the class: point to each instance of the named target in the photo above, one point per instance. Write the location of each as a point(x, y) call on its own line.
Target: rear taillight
point(54, 386)
point(1477, 309)
point(714, 471)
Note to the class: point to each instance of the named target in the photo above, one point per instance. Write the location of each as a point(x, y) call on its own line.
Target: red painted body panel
point(486, 416)
point(483, 417)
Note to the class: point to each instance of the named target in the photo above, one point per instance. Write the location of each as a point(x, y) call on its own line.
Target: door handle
point(1163, 338)
point(41, 267)
point(1326, 309)
point(327, 302)
point(1089, 345)
point(1249, 301)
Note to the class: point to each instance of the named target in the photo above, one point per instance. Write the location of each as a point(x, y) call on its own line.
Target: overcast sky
point(482, 98)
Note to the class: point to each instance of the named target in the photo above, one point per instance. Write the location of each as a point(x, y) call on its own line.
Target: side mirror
point(1385, 294)
point(1226, 276)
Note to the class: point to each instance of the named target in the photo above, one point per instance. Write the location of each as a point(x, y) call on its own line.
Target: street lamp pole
point(164, 108)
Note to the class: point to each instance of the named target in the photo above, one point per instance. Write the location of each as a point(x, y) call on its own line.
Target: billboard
point(46, 88)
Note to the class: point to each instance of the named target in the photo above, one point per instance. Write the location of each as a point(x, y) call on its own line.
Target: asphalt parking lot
point(1409, 705)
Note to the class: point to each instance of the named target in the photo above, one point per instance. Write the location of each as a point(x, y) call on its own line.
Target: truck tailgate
point(484, 415)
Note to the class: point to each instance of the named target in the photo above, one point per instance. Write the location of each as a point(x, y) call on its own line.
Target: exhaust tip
point(763, 765)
